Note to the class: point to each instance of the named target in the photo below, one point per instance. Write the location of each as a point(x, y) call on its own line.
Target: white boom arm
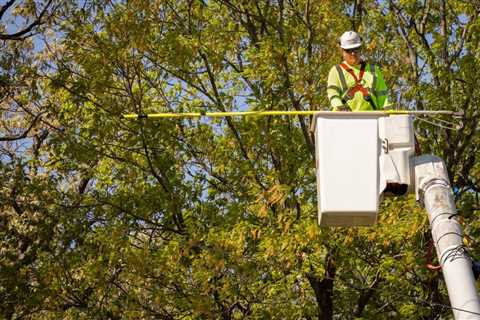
point(434, 191)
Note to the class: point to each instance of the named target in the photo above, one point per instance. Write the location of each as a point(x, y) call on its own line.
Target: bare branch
point(22, 34)
point(426, 11)
point(230, 123)
point(5, 7)
point(24, 134)
point(466, 33)
point(443, 31)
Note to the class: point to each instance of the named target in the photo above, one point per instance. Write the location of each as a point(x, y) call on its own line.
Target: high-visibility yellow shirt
point(339, 81)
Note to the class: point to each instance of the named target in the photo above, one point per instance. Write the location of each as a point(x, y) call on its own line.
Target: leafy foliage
point(106, 218)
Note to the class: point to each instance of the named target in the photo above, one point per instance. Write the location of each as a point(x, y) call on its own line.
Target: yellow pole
point(172, 115)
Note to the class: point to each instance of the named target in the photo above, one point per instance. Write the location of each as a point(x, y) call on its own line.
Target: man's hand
point(343, 108)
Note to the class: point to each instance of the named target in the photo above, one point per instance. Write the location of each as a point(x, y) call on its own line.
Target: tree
point(170, 219)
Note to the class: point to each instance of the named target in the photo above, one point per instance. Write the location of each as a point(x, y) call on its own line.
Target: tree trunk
point(323, 289)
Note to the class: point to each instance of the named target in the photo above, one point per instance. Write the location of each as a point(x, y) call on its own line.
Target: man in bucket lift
point(355, 85)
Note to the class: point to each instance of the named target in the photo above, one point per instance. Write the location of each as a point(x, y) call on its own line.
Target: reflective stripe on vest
point(381, 93)
point(374, 74)
point(339, 90)
point(343, 82)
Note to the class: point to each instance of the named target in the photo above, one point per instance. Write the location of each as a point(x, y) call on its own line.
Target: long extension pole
point(171, 115)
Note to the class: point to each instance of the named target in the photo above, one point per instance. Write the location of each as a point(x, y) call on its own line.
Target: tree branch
point(24, 134)
point(365, 295)
point(5, 7)
point(466, 33)
point(22, 34)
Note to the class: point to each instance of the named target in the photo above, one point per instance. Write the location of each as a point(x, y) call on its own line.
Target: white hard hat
point(350, 40)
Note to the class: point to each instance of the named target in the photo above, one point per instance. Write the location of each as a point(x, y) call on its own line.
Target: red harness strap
point(349, 70)
point(358, 82)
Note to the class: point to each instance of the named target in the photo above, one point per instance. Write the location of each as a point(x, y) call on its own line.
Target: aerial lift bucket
point(357, 155)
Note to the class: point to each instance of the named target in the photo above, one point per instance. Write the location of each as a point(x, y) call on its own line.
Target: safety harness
point(358, 87)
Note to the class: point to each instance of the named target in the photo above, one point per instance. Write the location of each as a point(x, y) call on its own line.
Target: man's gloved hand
point(343, 108)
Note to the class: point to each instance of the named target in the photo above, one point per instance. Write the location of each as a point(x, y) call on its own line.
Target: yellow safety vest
point(342, 83)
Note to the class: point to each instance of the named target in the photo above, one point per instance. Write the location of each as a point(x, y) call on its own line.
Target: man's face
point(351, 56)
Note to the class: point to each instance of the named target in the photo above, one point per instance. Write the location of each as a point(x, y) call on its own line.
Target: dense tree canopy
point(107, 218)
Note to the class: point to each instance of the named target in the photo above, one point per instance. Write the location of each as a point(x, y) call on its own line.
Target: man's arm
point(334, 90)
point(382, 91)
